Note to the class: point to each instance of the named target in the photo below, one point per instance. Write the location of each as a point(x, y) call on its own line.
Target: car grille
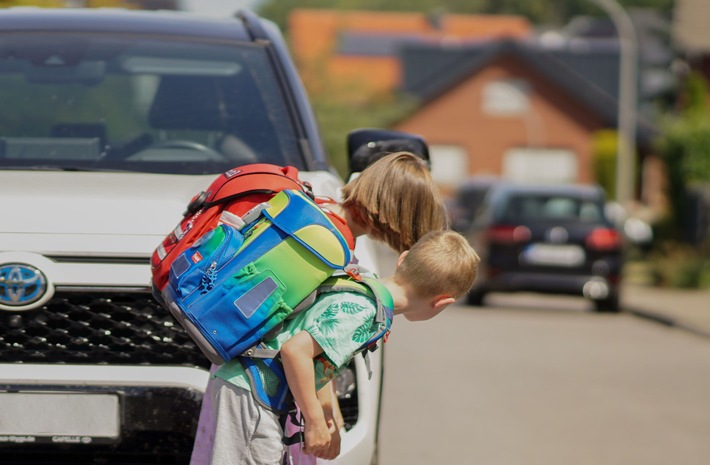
point(94, 328)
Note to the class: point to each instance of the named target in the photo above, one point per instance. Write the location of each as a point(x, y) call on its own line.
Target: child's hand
point(318, 440)
point(334, 449)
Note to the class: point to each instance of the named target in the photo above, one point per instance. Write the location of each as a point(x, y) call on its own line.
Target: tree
point(685, 149)
point(604, 150)
point(549, 12)
point(338, 116)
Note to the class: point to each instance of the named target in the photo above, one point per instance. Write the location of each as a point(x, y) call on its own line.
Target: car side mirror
point(368, 145)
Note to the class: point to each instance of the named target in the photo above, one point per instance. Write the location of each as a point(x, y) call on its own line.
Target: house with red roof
point(359, 49)
point(516, 109)
point(494, 98)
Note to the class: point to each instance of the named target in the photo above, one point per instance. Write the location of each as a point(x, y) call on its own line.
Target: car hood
point(94, 203)
point(96, 212)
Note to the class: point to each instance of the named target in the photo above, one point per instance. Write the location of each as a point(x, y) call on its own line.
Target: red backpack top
point(236, 191)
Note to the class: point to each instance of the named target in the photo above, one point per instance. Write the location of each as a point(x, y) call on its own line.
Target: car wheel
point(608, 305)
point(475, 297)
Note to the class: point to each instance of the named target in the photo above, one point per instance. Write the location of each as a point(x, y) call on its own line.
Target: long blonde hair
point(396, 200)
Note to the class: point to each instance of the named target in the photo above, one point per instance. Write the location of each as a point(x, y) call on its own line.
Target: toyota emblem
point(21, 285)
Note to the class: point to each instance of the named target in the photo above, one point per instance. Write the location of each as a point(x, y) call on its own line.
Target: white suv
point(110, 122)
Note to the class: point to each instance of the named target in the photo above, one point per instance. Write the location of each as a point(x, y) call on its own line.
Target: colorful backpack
point(235, 191)
point(245, 277)
point(276, 396)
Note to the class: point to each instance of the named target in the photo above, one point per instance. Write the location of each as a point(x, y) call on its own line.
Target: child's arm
point(333, 416)
point(330, 404)
point(297, 355)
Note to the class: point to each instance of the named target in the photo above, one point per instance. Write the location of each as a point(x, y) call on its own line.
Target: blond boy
point(317, 344)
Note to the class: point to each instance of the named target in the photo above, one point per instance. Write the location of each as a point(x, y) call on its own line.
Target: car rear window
point(74, 101)
point(551, 207)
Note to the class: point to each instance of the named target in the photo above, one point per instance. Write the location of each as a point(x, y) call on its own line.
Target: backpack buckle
point(196, 203)
point(353, 271)
point(255, 212)
point(308, 189)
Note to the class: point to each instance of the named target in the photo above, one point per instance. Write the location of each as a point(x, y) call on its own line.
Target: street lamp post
point(626, 119)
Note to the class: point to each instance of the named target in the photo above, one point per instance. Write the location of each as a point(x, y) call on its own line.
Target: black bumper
point(158, 425)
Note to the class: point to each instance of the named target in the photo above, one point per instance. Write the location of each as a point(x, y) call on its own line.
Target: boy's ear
point(400, 259)
point(442, 301)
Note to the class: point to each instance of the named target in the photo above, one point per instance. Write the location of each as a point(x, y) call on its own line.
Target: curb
point(667, 321)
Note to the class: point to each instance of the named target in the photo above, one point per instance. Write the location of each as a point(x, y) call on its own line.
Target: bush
point(685, 149)
point(680, 266)
point(604, 149)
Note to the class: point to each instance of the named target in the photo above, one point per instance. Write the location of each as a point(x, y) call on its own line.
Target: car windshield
point(551, 207)
point(94, 102)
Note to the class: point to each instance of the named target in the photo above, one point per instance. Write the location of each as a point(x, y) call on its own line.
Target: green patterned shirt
point(340, 322)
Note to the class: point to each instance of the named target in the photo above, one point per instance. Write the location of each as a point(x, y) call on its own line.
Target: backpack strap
point(371, 287)
point(337, 220)
point(279, 401)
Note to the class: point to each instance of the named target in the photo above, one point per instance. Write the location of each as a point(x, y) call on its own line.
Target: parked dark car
point(467, 199)
point(548, 239)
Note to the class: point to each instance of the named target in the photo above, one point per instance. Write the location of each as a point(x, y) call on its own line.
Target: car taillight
point(604, 239)
point(509, 234)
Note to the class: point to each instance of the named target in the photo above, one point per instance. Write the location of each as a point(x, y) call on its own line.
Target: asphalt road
point(543, 380)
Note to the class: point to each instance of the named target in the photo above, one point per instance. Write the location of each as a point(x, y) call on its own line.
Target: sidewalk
point(682, 308)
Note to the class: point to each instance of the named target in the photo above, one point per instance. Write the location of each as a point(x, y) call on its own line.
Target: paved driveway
point(544, 381)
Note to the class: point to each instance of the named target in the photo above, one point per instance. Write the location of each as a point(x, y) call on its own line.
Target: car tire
point(475, 297)
point(608, 305)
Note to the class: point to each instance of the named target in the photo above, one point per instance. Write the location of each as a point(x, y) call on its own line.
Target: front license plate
point(68, 418)
point(554, 255)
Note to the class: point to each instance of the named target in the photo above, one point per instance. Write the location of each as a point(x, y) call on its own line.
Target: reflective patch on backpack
point(255, 297)
point(180, 265)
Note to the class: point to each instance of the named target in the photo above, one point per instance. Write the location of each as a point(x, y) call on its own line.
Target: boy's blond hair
point(396, 200)
point(442, 263)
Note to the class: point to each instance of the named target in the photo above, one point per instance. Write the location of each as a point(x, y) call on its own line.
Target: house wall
point(554, 120)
